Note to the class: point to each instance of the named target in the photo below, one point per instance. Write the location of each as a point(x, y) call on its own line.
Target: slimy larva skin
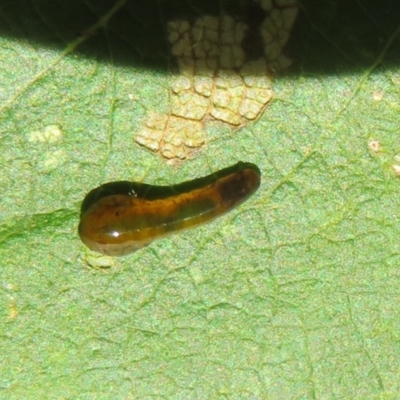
point(118, 218)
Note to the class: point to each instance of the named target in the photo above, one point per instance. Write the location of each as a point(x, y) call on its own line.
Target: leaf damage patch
point(217, 79)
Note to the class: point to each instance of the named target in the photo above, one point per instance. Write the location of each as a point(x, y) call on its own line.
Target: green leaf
point(293, 295)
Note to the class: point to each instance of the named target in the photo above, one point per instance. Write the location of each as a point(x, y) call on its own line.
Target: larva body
point(118, 218)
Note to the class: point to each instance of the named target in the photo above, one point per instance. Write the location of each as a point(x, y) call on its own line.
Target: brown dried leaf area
point(216, 80)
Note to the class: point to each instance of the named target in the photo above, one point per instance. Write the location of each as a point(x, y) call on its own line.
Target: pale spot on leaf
point(374, 145)
point(377, 95)
point(49, 134)
point(396, 169)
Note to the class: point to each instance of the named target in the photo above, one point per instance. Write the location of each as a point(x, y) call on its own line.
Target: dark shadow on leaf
point(337, 36)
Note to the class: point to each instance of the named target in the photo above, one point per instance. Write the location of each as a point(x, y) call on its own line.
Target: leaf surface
point(293, 295)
